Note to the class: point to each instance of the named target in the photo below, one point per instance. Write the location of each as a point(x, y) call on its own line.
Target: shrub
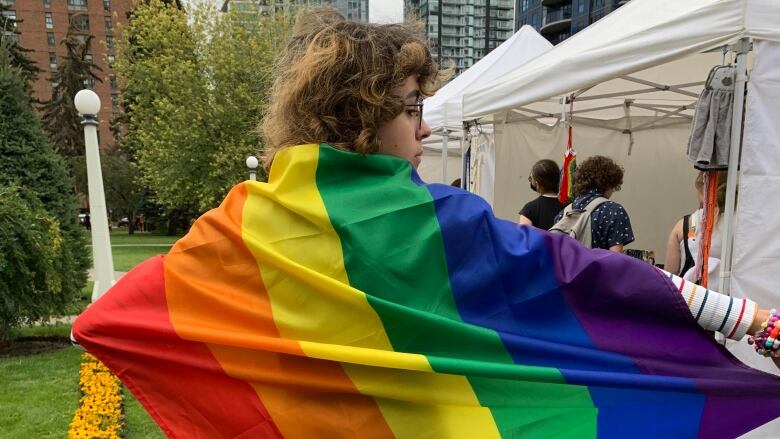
point(31, 255)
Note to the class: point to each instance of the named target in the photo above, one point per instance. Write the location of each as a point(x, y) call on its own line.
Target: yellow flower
point(99, 414)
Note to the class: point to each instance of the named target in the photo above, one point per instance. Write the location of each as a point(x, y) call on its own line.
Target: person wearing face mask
point(541, 211)
point(345, 297)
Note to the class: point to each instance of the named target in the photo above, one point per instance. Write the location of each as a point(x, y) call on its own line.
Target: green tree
point(75, 72)
point(30, 162)
point(19, 58)
point(192, 97)
point(239, 53)
point(124, 197)
point(164, 100)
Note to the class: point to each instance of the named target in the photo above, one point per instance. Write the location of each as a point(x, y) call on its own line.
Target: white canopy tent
point(430, 169)
point(635, 76)
point(444, 112)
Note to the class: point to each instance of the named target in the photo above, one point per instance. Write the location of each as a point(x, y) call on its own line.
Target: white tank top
point(715, 240)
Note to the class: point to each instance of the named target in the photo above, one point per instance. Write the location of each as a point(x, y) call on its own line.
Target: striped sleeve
point(717, 312)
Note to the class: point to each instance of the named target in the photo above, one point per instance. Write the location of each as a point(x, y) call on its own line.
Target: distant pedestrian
point(541, 212)
point(598, 178)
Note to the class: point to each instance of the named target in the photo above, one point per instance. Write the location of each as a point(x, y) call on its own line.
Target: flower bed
point(100, 409)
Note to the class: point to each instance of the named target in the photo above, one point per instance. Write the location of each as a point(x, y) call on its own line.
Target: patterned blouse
point(609, 223)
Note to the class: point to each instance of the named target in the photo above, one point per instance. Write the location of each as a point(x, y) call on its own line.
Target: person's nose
point(424, 131)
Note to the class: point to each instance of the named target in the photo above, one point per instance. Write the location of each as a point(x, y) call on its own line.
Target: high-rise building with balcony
point(463, 31)
point(557, 20)
point(351, 9)
point(43, 26)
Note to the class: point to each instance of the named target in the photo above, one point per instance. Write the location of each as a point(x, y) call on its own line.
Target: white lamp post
point(251, 163)
point(88, 104)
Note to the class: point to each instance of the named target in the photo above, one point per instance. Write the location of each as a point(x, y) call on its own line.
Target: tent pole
point(445, 148)
point(742, 47)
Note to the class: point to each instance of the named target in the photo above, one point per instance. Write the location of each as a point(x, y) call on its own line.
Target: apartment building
point(44, 26)
point(557, 20)
point(463, 31)
point(351, 9)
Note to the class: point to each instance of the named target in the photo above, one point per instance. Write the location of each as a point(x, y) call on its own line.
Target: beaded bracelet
point(765, 341)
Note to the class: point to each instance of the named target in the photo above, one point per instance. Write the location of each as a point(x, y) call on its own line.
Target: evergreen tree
point(30, 162)
point(19, 58)
point(74, 73)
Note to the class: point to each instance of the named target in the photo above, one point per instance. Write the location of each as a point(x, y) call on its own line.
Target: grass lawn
point(39, 393)
point(120, 236)
point(126, 258)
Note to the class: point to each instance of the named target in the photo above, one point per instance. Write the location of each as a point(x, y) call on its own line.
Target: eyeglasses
point(417, 112)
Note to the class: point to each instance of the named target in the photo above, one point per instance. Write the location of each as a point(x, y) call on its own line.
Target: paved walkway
point(139, 245)
point(117, 274)
point(69, 319)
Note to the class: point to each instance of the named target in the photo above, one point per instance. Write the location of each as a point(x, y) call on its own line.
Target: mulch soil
point(32, 345)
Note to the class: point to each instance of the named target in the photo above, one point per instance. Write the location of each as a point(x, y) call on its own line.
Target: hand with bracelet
point(765, 330)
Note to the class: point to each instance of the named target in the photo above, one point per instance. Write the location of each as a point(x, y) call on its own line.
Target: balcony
point(555, 3)
point(556, 20)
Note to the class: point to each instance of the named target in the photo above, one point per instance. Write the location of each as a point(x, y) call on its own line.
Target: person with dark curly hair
point(600, 177)
point(541, 211)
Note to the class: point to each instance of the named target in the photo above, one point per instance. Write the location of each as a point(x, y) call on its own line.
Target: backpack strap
point(594, 203)
point(688, 262)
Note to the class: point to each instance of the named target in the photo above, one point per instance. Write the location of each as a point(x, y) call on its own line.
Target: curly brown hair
point(598, 173)
point(334, 81)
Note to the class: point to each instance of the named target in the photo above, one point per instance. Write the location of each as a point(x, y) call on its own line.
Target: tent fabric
point(640, 35)
point(756, 259)
point(443, 110)
point(653, 208)
point(430, 167)
point(483, 167)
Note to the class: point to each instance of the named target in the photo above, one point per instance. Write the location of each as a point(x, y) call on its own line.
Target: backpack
point(576, 222)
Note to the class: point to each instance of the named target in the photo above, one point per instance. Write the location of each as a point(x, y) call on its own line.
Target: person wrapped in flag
point(345, 297)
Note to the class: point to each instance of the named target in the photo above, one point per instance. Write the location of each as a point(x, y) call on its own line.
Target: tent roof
point(443, 110)
point(644, 45)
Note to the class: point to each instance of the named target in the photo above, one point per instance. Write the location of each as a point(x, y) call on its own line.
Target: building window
point(52, 60)
point(80, 22)
point(9, 20)
point(78, 5)
point(50, 39)
point(89, 83)
point(106, 5)
point(110, 43)
point(49, 21)
point(111, 60)
point(88, 58)
point(112, 82)
point(47, 4)
point(110, 26)
point(114, 102)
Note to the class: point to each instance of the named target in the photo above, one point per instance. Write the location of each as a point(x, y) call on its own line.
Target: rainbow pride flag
point(347, 298)
point(566, 185)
